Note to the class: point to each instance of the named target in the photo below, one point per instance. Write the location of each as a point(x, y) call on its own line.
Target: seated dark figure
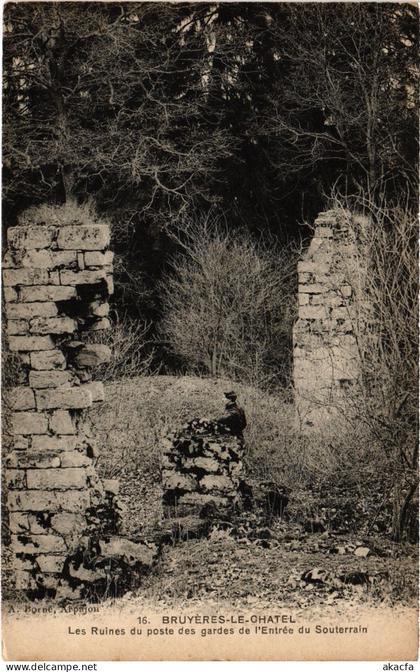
point(234, 420)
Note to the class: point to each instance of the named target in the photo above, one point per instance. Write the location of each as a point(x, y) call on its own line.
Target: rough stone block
point(81, 261)
point(54, 277)
point(17, 327)
point(18, 522)
point(25, 276)
point(51, 563)
point(41, 500)
point(131, 550)
point(20, 442)
point(96, 388)
point(312, 312)
point(314, 267)
point(84, 237)
point(99, 308)
point(299, 352)
point(74, 458)
point(48, 259)
point(344, 370)
point(81, 277)
point(31, 237)
point(303, 299)
point(346, 343)
point(318, 246)
point(56, 479)
point(61, 422)
point(38, 543)
point(305, 278)
point(313, 288)
point(342, 313)
point(99, 258)
point(168, 462)
point(220, 483)
point(332, 280)
point(9, 261)
point(39, 522)
point(31, 259)
point(51, 581)
point(24, 580)
point(22, 399)
point(47, 293)
point(346, 290)
point(67, 523)
point(103, 323)
point(48, 360)
point(16, 479)
point(24, 564)
point(76, 397)
point(54, 475)
point(53, 325)
point(306, 266)
point(333, 301)
point(26, 422)
point(324, 232)
point(175, 481)
point(206, 463)
point(111, 485)
point(92, 355)
point(110, 284)
point(10, 294)
point(26, 311)
point(45, 442)
point(33, 460)
point(30, 343)
point(44, 379)
point(198, 499)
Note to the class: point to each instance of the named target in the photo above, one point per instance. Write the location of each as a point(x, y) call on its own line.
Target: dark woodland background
point(163, 113)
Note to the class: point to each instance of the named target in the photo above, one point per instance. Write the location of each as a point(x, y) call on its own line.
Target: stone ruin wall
point(56, 282)
point(326, 357)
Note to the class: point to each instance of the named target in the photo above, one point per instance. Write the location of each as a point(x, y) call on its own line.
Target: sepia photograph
point(210, 331)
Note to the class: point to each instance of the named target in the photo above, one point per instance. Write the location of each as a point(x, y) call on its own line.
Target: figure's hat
point(231, 395)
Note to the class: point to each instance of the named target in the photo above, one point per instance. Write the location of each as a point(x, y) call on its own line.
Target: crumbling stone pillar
point(56, 282)
point(326, 357)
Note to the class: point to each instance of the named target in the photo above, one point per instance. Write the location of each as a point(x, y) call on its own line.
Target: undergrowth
point(139, 412)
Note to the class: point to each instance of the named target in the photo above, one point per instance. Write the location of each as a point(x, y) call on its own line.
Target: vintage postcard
point(210, 331)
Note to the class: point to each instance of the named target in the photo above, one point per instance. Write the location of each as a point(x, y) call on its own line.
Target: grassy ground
point(130, 425)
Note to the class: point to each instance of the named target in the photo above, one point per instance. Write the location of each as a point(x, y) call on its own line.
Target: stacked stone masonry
point(56, 283)
point(331, 277)
point(202, 465)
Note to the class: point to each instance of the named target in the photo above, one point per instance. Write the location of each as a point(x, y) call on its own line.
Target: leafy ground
point(283, 564)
